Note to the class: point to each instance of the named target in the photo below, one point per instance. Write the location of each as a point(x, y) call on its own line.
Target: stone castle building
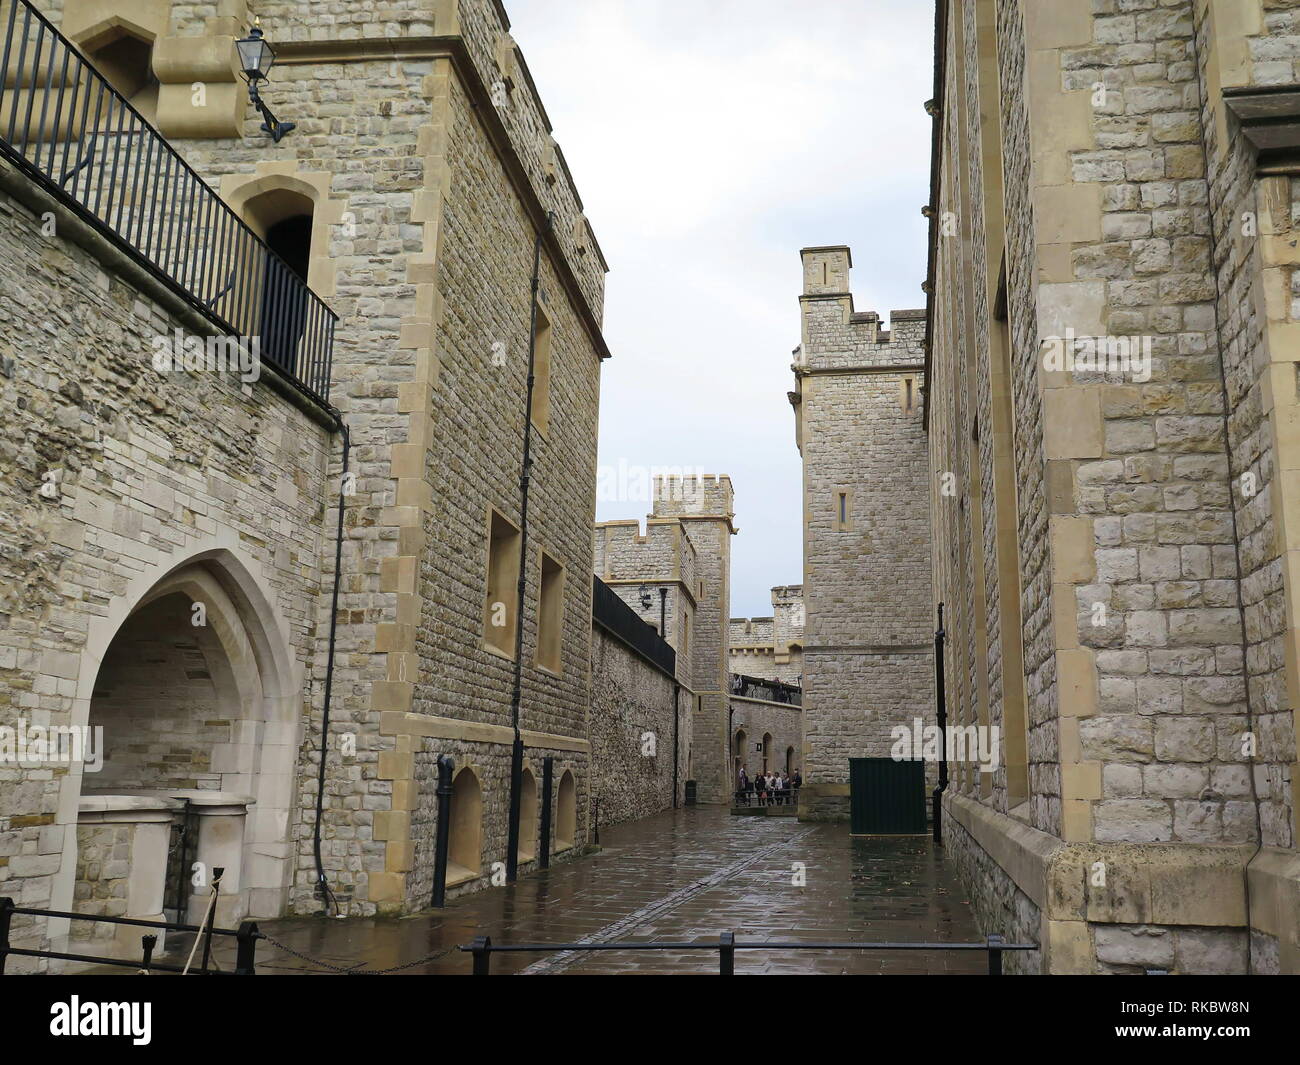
point(868, 660)
point(676, 576)
point(1111, 406)
point(771, 648)
point(287, 596)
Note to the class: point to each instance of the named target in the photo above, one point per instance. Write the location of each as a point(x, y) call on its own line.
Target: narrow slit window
point(843, 510)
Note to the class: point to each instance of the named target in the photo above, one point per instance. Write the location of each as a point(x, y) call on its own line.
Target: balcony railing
point(64, 126)
point(610, 612)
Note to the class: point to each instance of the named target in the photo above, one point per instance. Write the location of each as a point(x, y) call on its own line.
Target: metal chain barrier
point(354, 969)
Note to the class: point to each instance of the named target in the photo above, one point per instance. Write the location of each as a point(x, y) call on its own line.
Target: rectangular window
point(540, 410)
point(550, 615)
point(500, 607)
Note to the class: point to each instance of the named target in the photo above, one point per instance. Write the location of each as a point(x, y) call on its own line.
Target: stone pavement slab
point(680, 876)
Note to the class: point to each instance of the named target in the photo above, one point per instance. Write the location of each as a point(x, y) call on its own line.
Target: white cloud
point(710, 141)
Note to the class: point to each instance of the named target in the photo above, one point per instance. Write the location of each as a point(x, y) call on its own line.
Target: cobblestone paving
point(680, 876)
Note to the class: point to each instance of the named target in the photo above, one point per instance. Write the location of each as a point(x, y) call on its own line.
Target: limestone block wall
point(771, 648)
point(143, 472)
point(867, 656)
point(632, 733)
point(427, 156)
point(424, 156)
point(1147, 503)
point(758, 718)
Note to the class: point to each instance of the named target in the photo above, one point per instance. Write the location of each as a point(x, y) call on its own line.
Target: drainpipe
point(941, 713)
point(446, 768)
point(677, 729)
point(322, 885)
point(663, 613)
point(516, 695)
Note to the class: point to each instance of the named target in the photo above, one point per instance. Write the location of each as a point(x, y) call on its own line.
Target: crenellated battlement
point(704, 495)
point(834, 334)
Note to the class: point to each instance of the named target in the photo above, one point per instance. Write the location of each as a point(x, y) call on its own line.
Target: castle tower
point(868, 662)
point(705, 507)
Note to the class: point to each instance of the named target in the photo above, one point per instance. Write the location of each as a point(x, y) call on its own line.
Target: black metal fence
point(609, 611)
point(774, 691)
point(482, 948)
point(245, 936)
point(64, 126)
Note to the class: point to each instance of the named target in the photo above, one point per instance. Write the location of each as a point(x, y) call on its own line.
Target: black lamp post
point(256, 57)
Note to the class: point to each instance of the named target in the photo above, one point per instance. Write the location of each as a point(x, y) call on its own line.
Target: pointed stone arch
point(256, 680)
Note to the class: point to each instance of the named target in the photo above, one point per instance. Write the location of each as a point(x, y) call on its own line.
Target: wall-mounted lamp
point(256, 57)
point(645, 596)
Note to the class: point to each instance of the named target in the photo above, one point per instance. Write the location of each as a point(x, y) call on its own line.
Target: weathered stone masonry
point(868, 662)
point(1101, 186)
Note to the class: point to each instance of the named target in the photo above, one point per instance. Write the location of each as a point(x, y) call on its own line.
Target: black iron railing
point(611, 613)
point(245, 936)
point(482, 948)
point(65, 127)
point(774, 691)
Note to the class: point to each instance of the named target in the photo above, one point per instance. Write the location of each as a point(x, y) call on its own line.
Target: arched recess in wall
point(284, 219)
point(194, 688)
point(738, 752)
point(767, 751)
point(293, 213)
point(465, 849)
point(566, 812)
point(789, 760)
point(527, 849)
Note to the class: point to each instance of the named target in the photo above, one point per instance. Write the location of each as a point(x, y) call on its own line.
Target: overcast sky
point(711, 140)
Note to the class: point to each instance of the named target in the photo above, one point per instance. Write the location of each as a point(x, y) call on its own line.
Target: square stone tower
point(868, 662)
point(705, 507)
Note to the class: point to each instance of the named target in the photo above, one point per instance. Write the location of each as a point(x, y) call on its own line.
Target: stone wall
point(759, 718)
point(771, 648)
point(423, 156)
point(427, 157)
point(632, 732)
point(1144, 574)
point(116, 474)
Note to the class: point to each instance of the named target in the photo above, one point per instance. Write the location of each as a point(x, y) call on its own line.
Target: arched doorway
point(789, 760)
point(767, 750)
point(465, 848)
point(566, 813)
point(284, 219)
point(738, 752)
point(527, 817)
point(196, 691)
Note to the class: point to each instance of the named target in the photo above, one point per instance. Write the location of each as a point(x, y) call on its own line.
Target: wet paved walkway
point(680, 876)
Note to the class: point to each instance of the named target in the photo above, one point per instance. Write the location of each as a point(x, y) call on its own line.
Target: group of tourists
point(775, 788)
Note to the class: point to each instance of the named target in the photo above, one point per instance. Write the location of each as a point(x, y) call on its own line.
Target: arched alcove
point(465, 848)
point(789, 760)
point(738, 753)
point(193, 689)
point(566, 812)
point(767, 751)
point(527, 817)
point(284, 219)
